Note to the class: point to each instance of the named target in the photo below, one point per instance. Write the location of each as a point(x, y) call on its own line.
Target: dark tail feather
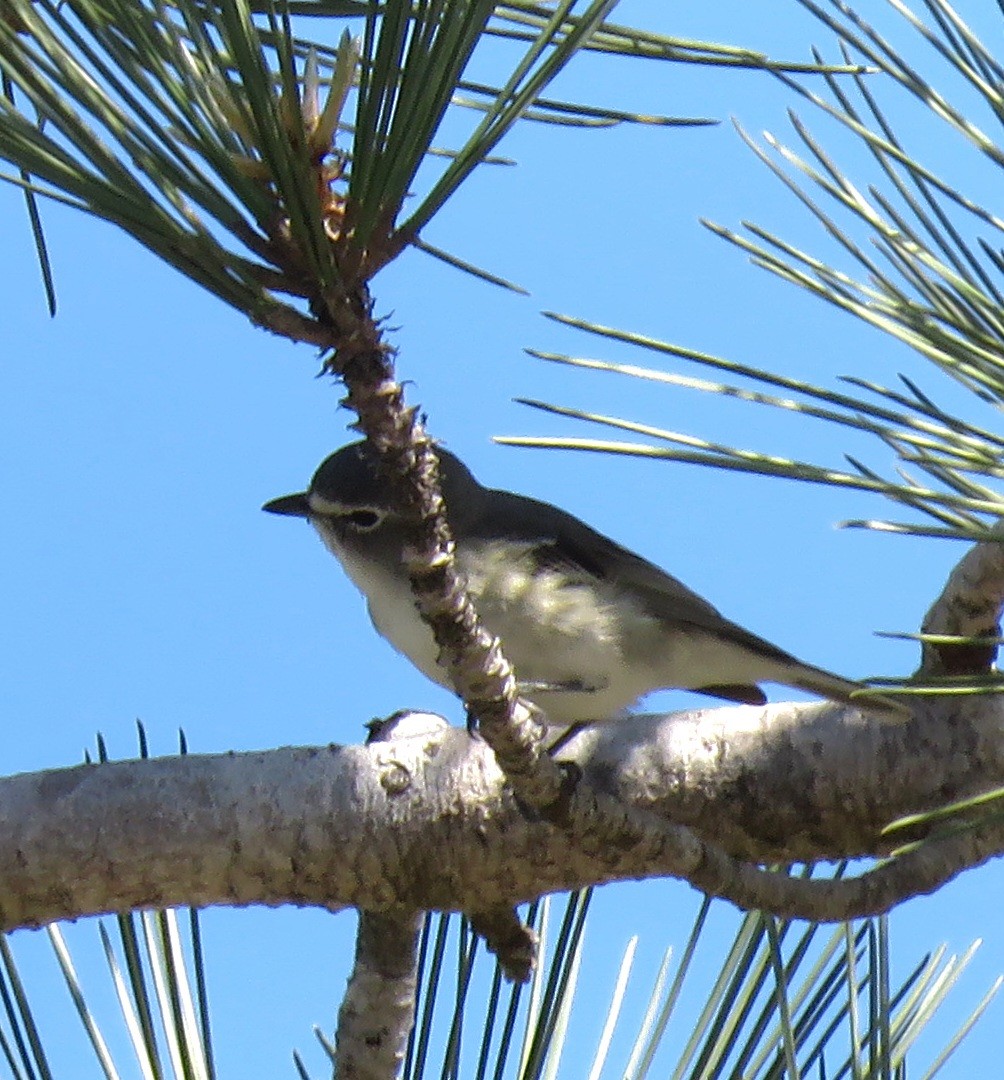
point(825, 684)
point(744, 695)
point(821, 683)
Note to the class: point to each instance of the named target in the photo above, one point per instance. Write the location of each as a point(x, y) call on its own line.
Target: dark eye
point(364, 519)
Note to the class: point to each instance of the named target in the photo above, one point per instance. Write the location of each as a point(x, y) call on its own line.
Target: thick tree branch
point(797, 783)
point(429, 822)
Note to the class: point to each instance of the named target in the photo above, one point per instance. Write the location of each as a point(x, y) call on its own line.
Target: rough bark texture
point(379, 1003)
point(969, 606)
point(798, 784)
point(427, 822)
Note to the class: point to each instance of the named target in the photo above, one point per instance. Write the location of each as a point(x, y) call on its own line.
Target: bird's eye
point(364, 519)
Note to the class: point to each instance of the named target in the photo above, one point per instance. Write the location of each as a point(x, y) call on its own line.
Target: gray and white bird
point(589, 626)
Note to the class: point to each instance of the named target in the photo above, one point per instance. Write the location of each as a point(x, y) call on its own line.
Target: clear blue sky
point(142, 429)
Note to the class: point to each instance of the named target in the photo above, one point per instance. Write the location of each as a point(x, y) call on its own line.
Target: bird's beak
point(291, 505)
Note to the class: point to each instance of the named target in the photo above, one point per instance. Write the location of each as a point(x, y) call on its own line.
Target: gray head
point(349, 486)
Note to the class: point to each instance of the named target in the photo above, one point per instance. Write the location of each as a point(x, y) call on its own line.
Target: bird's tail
point(826, 684)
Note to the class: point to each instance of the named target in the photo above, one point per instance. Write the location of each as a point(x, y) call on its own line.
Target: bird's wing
point(584, 553)
point(574, 546)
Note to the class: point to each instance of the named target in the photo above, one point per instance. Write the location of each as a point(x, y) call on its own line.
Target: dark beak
point(290, 505)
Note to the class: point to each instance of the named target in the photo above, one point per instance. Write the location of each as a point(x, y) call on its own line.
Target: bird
point(589, 626)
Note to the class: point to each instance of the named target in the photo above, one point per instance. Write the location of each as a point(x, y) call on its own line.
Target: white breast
point(391, 605)
point(553, 632)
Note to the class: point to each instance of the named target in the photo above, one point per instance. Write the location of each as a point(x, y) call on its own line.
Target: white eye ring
point(364, 518)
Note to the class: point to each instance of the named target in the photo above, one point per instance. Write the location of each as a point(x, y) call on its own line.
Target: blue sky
point(142, 429)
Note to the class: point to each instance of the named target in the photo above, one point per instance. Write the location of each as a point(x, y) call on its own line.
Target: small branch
point(875, 892)
point(379, 1005)
point(479, 671)
point(970, 605)
point(513, 943)
point(343, 323)
point(287, 322)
